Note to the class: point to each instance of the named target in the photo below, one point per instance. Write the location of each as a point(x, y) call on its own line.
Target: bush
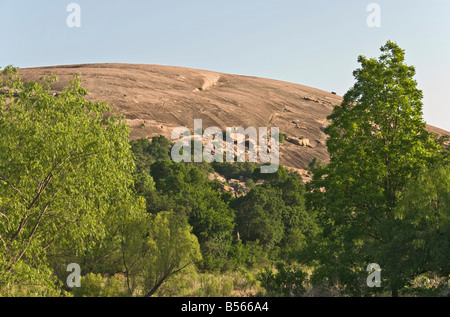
point(247, 255)
point(286, 282)
point(314, 164)
point(235, 170)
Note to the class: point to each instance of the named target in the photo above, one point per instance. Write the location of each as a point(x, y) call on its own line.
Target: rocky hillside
point(156, 99)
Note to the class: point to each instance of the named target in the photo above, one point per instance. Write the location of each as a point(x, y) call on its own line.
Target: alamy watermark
point(74, 278)
point(374, 278)
point(74, 18)
point(209, 145)
point(374, 18)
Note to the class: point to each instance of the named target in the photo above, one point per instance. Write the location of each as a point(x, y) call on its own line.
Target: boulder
point(226, 188)
point(299, 141)
point(305, 142)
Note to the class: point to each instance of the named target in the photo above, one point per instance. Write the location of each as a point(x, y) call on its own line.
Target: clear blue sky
point(311, 42)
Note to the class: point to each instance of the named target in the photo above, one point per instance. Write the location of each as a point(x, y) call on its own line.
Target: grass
point(239, 283)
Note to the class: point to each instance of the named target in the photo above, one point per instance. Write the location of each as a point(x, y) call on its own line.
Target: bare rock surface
point(155, 99)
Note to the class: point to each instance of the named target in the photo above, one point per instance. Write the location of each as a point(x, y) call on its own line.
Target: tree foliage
point(377, 141)
point(286, 281)
point(155, 248)
point(67, 196)
point(185, 189)
point(64, 174)
point(422, 242)
point(274, 213)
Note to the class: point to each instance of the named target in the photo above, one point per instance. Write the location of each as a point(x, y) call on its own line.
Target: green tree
point(274, 213)
point(279, 176)
point(286, 281)
point(65, 177)
point(259, 216)
point(147, 152)
point(185, 190)
point(422, 242)
point(377, 141)
point(314, 164)
point(235, 170)
point(155, 248)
